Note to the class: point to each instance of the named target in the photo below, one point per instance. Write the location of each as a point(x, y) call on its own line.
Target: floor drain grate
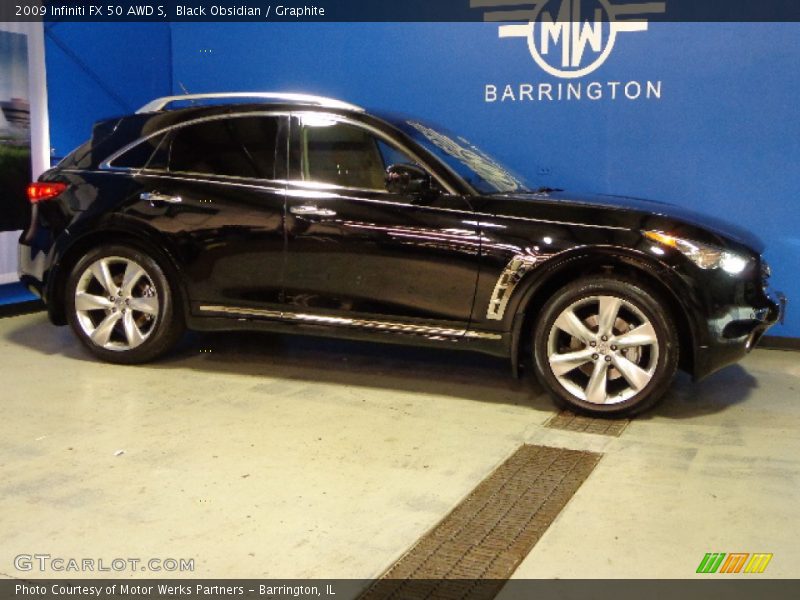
point(471, 553)
point(571, 422)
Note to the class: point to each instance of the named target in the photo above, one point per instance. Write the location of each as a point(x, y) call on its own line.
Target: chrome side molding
point(373, 325)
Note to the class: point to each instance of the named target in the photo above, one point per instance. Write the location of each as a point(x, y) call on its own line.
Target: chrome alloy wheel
point(116, 303)
point(603, 350)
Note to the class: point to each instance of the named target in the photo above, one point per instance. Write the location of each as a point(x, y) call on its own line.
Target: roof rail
point(161, 103)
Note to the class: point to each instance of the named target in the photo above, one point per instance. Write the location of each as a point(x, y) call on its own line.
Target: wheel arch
point(70, 255)
point(539, 287)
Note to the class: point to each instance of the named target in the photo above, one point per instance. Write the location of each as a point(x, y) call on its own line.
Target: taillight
point(39, 191)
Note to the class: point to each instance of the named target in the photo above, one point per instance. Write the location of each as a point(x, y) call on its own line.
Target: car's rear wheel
point(606, 347)
point(121, 306)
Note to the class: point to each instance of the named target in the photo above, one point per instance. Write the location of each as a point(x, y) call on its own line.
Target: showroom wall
point(702, 115)
point(99, 70)
point(23, 78)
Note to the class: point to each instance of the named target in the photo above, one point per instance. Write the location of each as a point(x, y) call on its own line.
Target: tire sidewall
point(160, 339)
point(653, 309)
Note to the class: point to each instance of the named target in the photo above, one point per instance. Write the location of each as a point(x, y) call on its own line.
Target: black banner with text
point(386, 11)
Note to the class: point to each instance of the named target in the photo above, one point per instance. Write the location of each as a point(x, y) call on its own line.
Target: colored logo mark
point(737, 562)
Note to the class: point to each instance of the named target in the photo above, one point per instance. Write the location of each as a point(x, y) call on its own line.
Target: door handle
point(156, 197)
point(310, 210)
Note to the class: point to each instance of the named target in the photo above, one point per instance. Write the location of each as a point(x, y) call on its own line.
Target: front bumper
point(736, 332)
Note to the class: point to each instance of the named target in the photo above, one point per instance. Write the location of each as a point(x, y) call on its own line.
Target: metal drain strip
point(568, 421)
point(471, 553)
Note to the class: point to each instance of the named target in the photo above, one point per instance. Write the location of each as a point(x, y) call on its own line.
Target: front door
point(366, 256)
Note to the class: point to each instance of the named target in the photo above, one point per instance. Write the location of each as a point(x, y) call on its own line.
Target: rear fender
point(77, 240)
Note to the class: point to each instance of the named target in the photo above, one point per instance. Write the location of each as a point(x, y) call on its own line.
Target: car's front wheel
point(121, 306)
point(606, 347)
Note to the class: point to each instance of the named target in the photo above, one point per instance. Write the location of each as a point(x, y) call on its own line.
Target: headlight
point(704, 256)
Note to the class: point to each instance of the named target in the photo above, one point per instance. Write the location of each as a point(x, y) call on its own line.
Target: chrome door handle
point(310, 210)
point(156, 197)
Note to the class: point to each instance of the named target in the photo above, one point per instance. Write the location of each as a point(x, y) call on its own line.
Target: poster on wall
point(15, 131)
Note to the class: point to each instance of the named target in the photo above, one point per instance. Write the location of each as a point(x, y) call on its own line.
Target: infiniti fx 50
point(301, 214)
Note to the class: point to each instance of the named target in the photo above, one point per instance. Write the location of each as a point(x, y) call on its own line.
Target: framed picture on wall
point(24, 135)
point(15, 130)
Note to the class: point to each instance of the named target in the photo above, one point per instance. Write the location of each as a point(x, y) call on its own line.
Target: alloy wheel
point(603, 350)
point(116, 303)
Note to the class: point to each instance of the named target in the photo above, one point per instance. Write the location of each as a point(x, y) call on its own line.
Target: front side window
point(233, 147)
point(345, 155)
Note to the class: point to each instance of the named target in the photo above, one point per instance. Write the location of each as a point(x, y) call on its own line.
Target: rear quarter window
point(148, 154)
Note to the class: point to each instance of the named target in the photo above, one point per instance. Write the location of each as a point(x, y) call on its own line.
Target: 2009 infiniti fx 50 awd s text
point(295, 213)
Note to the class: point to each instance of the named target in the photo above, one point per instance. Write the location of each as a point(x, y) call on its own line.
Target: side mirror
point(408, 180)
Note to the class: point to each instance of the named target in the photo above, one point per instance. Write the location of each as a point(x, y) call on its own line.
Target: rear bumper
point(32, 266)
point(736, 332)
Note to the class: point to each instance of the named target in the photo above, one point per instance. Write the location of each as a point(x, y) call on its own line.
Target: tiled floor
point(269, 456)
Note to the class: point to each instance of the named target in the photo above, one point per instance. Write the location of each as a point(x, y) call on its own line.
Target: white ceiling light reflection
point(317, 121)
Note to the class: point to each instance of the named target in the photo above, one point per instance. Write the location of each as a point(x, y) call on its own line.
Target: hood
point(599, 209)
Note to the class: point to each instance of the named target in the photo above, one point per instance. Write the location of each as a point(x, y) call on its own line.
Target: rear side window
point(234, 147)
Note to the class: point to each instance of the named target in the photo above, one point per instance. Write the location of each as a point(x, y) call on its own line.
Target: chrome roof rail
point(161, 103)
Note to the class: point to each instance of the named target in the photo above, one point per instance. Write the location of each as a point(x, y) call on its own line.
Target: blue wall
point(723, 138)
point(101, 70)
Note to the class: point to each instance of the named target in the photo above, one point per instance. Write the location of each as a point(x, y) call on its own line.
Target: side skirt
point(218, 318)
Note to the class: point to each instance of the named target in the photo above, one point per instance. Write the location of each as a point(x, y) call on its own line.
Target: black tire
point(628, 393)
point(158, 330)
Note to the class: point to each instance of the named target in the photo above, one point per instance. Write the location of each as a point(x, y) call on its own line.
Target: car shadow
point(430, 371)
point(688, 399)
point(433, 371)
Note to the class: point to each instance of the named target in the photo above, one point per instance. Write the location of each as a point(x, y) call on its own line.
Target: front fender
point(538, 285)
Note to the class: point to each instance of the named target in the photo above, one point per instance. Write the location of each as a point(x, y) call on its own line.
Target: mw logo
point(741, 562)
point(569, 38)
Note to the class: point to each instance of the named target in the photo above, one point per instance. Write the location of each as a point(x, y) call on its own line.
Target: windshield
point(476, 167)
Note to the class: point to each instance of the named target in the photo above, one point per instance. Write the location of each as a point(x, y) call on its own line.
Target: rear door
point(211, 188)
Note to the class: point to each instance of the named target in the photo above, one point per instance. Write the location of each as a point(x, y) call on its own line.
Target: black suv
point(302, 214)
